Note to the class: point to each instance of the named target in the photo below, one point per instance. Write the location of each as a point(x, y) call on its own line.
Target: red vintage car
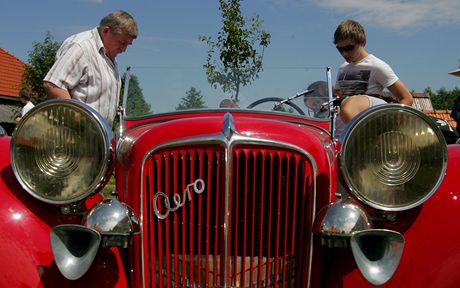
point(229, 197)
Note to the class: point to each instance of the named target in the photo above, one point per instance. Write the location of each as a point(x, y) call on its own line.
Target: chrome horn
point(74, 248)
point(377, 253)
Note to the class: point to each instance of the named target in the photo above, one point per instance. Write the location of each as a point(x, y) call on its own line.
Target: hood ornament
point(228, 126)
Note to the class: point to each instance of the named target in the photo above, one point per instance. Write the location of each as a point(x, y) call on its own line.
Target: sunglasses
point(347, 48)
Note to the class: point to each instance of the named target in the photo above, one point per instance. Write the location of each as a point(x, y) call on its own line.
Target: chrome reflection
point(74, 249)
point(377, 253)
point(340, 220)
point(114, 220)
point(108, 223)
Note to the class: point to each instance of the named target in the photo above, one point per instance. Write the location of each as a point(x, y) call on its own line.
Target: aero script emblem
point(197, 186)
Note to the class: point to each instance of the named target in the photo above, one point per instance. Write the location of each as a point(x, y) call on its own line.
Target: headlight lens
point(61, 150)
point(393, 157)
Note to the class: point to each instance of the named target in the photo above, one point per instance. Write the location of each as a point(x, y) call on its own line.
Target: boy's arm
point(399, 90)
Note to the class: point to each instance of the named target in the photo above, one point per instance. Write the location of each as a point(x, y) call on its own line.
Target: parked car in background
point(229, 197)
point(449, 133)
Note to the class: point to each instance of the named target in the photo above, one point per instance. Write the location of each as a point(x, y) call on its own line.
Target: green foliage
point(41, 58)
point(443, 98)
point(136, 104)
point(239, 62)
point(109, 188)
point(193, 99)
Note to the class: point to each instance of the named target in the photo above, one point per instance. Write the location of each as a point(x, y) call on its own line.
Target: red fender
point(25, 250)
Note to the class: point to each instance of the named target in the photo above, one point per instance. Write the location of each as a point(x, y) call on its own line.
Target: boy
point(362, 78)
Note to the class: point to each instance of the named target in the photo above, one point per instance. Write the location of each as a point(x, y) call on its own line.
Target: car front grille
point(237, 217)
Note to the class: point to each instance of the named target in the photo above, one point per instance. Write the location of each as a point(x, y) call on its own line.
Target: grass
point(109, 188)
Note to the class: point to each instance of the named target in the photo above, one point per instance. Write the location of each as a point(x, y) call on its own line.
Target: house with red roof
point(11, 70)
point(422, 102)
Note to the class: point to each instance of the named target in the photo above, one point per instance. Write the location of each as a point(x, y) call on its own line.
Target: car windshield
point(296, 90)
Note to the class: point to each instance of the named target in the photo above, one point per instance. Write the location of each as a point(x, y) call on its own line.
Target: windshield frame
point(332, 109)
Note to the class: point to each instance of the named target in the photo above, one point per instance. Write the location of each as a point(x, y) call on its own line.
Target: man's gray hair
point(120, 22)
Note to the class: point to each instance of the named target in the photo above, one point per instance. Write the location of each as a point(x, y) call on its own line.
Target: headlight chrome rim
point(395, 174)
point(60, 162)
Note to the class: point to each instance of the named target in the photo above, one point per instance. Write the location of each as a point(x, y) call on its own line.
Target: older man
point(85, 67)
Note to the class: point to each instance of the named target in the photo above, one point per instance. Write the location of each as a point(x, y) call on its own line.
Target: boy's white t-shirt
point(369, 76)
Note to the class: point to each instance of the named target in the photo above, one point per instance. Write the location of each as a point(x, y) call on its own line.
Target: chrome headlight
point(393, 157)
point(61, 150)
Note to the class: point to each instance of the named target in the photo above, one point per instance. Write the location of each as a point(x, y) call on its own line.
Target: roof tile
point(11, 70)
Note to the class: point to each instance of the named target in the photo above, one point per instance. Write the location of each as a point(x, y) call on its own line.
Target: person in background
point(316, 101)
point(363, 77)
point(85, 67)
point(228, 103)
point(454, 113)
point(25, 99)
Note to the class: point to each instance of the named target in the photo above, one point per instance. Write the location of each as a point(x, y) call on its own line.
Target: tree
point(239, 62)
point(193, 99)
point(41, 58)
point(443, 98)
point(136, 104)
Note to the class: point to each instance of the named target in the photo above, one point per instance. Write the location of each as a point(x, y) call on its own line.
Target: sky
point(420, 39)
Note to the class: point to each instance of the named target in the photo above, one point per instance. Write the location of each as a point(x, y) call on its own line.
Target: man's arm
point(399, 90)
point(53, 91)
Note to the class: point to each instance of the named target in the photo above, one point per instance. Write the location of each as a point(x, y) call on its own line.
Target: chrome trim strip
point(221, 139)
point(228, 130)
point(332, 113)
point(122, 109)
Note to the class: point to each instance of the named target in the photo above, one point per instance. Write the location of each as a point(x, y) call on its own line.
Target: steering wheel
point(275, 99)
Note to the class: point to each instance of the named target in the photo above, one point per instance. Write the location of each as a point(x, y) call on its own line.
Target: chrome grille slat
point(269, 217)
